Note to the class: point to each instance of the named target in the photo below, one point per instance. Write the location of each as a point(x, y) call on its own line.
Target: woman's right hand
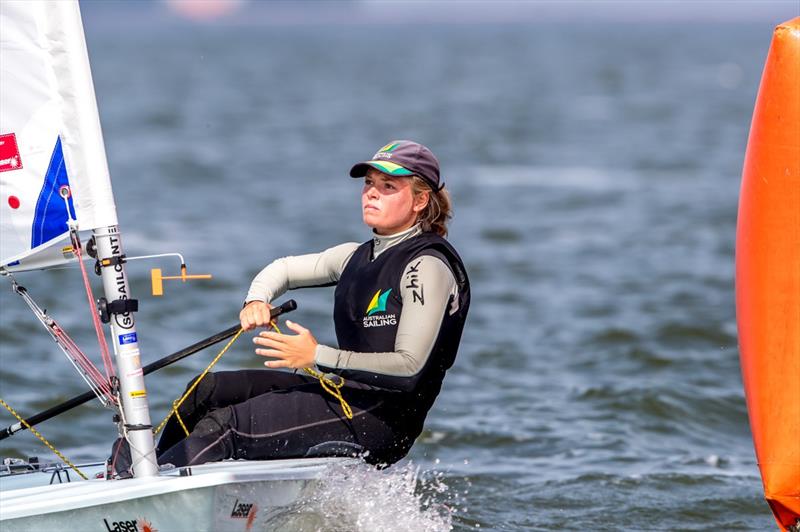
point(255, 314)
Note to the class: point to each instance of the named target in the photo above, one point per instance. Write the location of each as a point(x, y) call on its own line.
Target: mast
point(51, 140)
point(117, 308)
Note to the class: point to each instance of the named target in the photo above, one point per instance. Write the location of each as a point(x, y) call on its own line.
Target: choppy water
point(595, 171)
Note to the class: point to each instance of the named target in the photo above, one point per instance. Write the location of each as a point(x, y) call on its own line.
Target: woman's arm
point(315, 269)
point(428, 290)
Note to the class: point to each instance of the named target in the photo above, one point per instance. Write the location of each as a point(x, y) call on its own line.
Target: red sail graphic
point(9, 153)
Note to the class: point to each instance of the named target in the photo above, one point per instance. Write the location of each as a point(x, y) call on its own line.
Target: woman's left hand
point(292, 350)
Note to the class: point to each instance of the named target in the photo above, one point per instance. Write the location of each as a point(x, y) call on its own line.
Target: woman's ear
point(421, 200)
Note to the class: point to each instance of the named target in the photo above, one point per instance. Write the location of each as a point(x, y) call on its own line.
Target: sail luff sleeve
point(84, 150)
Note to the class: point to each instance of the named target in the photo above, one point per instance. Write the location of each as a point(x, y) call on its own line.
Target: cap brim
point(360, 169)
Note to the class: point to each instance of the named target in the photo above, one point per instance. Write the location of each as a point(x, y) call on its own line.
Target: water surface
point(595, 171)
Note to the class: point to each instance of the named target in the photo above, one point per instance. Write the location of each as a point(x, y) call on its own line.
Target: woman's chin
point(371, 220)
point(378, 229)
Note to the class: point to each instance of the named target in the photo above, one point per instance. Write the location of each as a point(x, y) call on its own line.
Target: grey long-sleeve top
point(418, 325)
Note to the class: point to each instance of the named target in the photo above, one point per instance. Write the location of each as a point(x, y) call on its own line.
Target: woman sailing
point(400, 304)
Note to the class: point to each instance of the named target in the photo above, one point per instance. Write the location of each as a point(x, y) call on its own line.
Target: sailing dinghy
point(57, 207)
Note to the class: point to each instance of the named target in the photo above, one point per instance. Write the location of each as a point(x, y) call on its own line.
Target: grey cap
point(403, 158)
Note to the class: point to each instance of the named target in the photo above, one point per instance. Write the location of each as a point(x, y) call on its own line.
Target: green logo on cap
point(389, 147)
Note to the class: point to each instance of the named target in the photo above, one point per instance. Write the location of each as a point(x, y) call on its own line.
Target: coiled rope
point(333, 388)
point(328, 384)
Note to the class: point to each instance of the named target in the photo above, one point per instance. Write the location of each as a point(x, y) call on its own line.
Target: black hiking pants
point(263, 414)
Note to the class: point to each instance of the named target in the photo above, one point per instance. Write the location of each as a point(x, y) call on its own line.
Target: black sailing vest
point(367, 308)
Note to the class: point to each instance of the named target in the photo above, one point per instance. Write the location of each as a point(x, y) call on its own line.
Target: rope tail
point(44, 441)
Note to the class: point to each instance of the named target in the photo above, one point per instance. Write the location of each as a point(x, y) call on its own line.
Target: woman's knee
point(199, 391)
point(216, 422)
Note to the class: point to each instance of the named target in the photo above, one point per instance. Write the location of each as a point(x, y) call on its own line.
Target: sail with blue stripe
point(51, 217)
point(50, 136)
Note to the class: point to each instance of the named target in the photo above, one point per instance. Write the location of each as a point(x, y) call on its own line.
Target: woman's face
point(388, 204)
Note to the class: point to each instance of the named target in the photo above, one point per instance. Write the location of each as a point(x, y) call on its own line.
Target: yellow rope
point(175, 404)
point(333, 388)
point(43, 440)
point(180, 401)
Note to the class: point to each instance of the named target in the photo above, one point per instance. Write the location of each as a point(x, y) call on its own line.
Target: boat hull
point(224, 496)
point(768, 275)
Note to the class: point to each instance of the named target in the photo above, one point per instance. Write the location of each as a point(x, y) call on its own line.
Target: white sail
point(50, 134)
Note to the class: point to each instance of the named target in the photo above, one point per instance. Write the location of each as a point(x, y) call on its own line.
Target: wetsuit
point(399, 309)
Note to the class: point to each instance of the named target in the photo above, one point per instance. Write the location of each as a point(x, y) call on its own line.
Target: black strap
point(110, 261)
point(119, 306)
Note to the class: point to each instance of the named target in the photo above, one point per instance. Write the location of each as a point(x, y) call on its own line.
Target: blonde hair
point(434, 217)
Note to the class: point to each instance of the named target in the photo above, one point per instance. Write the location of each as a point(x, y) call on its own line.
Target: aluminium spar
point(54, 179)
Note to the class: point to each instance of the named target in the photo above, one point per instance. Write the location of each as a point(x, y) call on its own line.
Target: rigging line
point(85, 375)
point(78, 357)
point(101, 337)
point(131, 447)
point(180, 401)
point(43, 440)
point(87, 369)
point(175, 404)
point(63, 340)
point(143, 456)
point(334, 388)
point(90, 373)
point(327, 383)
point(70, 344)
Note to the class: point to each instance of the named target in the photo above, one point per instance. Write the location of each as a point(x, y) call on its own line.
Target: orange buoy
point(768, 275)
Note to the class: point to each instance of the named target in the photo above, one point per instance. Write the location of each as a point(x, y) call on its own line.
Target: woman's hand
point(292, 350)
point(255, 314)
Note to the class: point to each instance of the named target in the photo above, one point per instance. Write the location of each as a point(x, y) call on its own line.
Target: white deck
point(205, 500)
